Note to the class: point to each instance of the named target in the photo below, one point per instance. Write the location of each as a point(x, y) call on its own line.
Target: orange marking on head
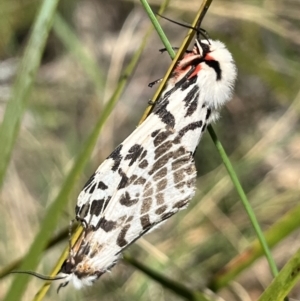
point(209, 58)
point(195, 72)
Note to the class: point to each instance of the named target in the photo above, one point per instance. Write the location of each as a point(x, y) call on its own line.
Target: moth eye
point(205, 48)
point(67, 267)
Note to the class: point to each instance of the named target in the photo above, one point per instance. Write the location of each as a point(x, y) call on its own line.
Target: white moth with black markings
point(151, 175)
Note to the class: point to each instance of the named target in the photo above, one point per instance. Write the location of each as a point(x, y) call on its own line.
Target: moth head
point(78, 273)
point(202, 48)
point(217, 71)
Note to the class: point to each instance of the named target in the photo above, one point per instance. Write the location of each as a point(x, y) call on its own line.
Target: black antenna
point(200, 31)
point(40, 276)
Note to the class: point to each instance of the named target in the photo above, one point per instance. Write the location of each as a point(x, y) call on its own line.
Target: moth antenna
point(38, 275)
point(200, 31)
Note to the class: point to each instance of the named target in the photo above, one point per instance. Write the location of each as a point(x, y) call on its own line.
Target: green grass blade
point(24, 82)
point(244, 200)
point(177, 287)
point(284, 281)
point(275, 234)
point(74, 46)
point(158, 28)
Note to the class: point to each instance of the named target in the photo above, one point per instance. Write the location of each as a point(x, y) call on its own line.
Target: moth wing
point(102, 185)
point(141, 146)
point(168, 178)
point(145, 201)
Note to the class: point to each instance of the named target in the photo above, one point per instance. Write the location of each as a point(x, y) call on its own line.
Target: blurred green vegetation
point(84, 58)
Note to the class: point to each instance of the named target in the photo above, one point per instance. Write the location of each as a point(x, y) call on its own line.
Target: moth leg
point(160, 79)
point(154, 82)
point(62, 285)
point(82, 221)
point(162, 50)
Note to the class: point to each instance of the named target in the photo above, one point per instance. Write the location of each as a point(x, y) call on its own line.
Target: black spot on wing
point(162, 149)
point(190, 127)
point(159, 198)
point(140, 181)
point(192, 106)
point(161, 137)
point(191, 95)
point(164, 115)
point(208, 113)
point(145, 222)
point(153, 134)
point(188, 82)
point(124, 179)
point(92, 188)
point(161, 185)
point(132, 179)
point(216, 66)
point(134, 153)
point(121, 241)
point(96, 207)
point(167, 95)
point(161, 209)
point(148, 190)
point(127, 201)
point(161, 162)
point(116, 156)
point(143, 155)
point(102, 186)
point(179, 152)
point(146, 206)
point(106, 225)
point(178, 176)
point(191, 101)
point(143, 164)
point(159, 174)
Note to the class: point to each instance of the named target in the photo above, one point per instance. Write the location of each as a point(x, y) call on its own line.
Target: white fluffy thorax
point(217, 92)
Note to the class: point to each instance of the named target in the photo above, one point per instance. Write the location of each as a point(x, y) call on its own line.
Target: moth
point(151, 175)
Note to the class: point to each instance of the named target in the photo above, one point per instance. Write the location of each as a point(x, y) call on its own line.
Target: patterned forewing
point(171, 123)
point(155, 175)
point(149, 197)
point(112, 175)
